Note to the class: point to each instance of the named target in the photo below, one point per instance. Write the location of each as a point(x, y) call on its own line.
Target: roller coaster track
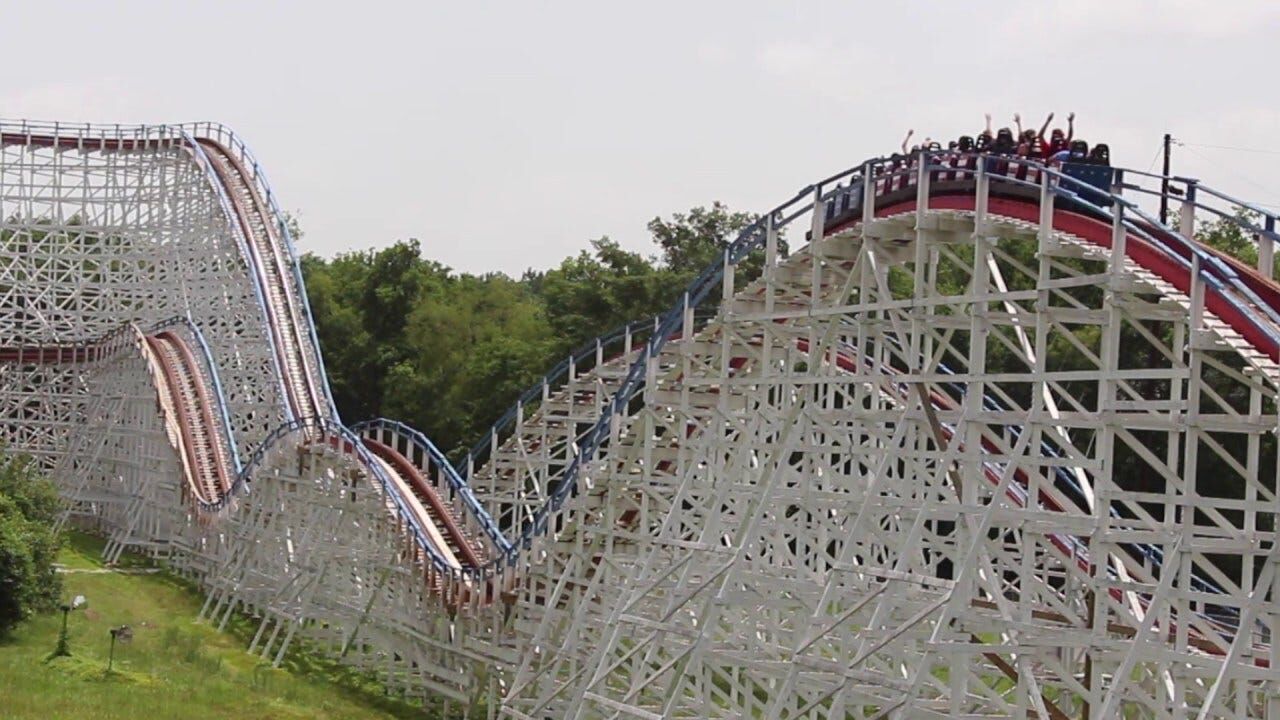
point(290, 330)
point(809, 496)
point(265, 248)
point(186, 403)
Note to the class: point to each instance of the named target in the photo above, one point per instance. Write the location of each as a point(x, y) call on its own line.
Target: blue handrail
point(211, 368)
point(550, 379)
point(242, 242)
point(343, 434)
point(451, 475)
point(750, 239)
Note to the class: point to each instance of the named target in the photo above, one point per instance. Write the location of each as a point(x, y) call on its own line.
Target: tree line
point(448, 352)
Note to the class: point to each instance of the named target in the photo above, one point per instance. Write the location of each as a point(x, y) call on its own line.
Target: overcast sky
point(505, 136)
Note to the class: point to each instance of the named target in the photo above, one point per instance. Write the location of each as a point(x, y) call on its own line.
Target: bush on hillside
point(29, 505)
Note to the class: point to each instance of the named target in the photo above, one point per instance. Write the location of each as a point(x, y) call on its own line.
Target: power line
point(1152, 165)
point(1237, 175)
point(1236, 148)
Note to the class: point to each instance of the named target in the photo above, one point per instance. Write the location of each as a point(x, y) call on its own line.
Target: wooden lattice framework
point(993, 448)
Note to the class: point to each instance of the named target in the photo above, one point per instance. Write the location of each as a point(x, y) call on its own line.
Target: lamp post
point(63, 649)
point(124, 634)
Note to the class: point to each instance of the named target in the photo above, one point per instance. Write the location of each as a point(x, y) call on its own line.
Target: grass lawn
point(175, 667)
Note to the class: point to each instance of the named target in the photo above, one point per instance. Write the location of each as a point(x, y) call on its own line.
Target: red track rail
point(255, 222)
point(212, 479)
point(441, 514)
point(181, 387)
point(1136, 249)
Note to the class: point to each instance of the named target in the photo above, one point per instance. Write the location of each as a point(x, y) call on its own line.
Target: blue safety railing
point(552, 378)
point(455, 481)
point(228, 139)
point(1060, 186)
point(210, 368)
point(340, 433)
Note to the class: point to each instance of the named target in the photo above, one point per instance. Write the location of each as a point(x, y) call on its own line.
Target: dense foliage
point(28, 546)
point(447, 352)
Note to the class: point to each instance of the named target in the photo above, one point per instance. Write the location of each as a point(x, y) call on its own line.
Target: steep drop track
point(270, 261)
point(186, 403)
point(290, 329)
point(183, 392)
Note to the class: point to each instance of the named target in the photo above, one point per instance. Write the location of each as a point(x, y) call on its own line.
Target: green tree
point(1230, 236)
point(361, 302)
point(454, 338)
point(593, 292)
point(28, 546)
point(598, 290)
point(447, 352)
point(692, 240)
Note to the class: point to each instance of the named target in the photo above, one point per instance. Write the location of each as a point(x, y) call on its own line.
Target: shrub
point(29, 505)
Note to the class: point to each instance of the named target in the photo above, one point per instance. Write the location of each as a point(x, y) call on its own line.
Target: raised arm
point(1017, 120)
point(906, 140)
point(988, 116)
point(1045, 127)
point(1071, 126)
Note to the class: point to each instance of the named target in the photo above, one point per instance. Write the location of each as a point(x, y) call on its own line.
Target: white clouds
point(108, 99)
point(830, 70)
point(627, 114)
point(714, 52)
point(1195, 19)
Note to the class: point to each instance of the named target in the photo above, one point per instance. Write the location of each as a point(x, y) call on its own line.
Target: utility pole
point(1164, 184)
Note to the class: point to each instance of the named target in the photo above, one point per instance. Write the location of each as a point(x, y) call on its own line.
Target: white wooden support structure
point(979, 448)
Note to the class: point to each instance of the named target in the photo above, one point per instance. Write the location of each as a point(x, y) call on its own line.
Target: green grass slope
point(175, 667)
